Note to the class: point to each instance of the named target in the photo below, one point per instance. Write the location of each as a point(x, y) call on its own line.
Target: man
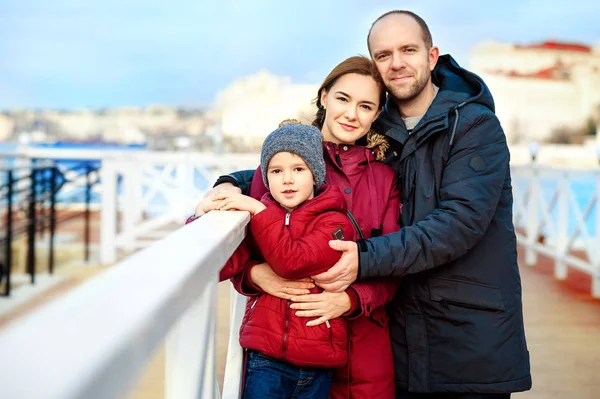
point(456, 322)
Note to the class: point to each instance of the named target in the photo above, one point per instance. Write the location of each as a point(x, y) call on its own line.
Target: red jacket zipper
point(349, 363)
point(287, 309)
point(285, 329)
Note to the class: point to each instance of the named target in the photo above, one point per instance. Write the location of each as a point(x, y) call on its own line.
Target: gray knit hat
point(302, 140)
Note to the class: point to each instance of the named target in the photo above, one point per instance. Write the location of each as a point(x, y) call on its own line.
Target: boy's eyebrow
point(294, 165)
point(364, 101)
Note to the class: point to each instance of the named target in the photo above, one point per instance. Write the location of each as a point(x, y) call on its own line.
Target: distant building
point(126, 124)
point(253, 106)
point(6, 127)
point(540, 87)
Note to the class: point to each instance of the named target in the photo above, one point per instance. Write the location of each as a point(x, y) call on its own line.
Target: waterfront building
point(541, 88)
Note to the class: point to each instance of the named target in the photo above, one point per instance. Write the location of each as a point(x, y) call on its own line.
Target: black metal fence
point(28, 198)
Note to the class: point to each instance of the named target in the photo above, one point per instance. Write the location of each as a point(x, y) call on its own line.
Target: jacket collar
point(328, 199)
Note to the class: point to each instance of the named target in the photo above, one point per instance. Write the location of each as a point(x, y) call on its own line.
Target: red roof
point(560, 46)
point(556, 72)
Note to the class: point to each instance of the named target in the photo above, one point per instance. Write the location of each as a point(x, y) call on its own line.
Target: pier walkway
point(562, 325)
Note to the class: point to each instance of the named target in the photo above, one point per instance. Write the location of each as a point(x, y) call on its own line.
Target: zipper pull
point(327, 324)
point(287, 219)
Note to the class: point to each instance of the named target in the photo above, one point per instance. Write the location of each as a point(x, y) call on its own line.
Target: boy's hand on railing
point(207, 204)
point(227, 200)
point(263, 276)
point(326, 306)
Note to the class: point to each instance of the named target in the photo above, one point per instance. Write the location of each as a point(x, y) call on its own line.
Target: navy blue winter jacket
point(457, 319)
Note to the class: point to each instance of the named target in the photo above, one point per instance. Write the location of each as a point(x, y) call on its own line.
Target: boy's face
point(290, 180)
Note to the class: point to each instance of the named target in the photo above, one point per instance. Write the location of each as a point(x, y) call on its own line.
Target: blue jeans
point(270, 378)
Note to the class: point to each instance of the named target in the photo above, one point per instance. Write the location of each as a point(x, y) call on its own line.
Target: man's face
point(401, 56)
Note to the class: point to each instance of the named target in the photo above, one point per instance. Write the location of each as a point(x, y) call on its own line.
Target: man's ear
point(434, 55)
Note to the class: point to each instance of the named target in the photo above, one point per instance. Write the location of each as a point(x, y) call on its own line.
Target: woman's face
point(351, 106)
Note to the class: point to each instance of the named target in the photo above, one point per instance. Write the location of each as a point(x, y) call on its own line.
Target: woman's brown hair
point(358, 64)
point(362, 66)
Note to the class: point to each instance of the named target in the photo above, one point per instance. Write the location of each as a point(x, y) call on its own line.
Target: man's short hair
point(424, 28)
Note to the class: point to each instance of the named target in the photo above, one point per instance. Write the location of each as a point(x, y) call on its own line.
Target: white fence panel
point(553, 214)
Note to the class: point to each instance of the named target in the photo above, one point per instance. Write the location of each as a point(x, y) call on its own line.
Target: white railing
point(95, 341)
point(557, 214)
point(170, 178)
point(163, 186)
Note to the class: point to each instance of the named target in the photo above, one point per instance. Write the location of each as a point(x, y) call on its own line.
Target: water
point(77, 194)
point(583, 188)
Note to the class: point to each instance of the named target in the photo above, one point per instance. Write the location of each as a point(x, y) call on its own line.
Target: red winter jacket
point(373, 198)
point(295, 245)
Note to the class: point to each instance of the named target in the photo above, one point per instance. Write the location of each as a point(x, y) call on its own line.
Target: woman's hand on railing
point(325, 306)
point(263, 276)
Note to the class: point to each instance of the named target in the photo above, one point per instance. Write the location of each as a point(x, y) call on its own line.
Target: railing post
point(108, 218)
point(9, 217)
point(52, 218)
point(562, 228)
point(132, 207)
point(184, 179)
point(232, 382)
point(31, 216)
point(88, 200)
point(532, 219)
point(190, 350)
point(596, 259)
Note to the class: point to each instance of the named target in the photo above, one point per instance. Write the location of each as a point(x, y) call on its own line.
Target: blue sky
point(76, 53)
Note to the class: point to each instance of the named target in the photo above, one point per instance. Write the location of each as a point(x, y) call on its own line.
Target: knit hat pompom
point(302, 140)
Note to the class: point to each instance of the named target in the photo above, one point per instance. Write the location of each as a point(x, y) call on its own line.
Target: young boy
point(290, 229)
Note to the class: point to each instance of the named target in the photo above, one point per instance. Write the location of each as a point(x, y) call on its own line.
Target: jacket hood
point(458, 87)
point(329, 198)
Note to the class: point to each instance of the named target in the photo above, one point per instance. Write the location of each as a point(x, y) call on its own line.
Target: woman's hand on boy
point(325, 306)
point(227, 200)
point(263, 276)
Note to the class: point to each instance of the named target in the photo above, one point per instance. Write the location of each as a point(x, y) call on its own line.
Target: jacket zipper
point(444, 303)
point(288, 304)
point(285, 330)
point(349, 362)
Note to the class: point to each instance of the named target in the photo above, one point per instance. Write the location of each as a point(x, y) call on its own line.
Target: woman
point(348, 101)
